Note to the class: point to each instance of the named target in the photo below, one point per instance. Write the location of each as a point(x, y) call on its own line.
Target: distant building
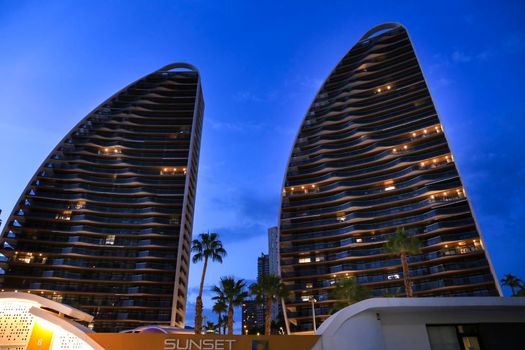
point(263, 265)
point(275, 266)
point(250, 321)
point(273, 250)
point(263, 269)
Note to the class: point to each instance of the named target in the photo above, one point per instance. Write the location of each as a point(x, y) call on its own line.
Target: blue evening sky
point(261, 65)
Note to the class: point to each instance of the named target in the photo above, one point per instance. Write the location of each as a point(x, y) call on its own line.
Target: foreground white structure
point(462, 323)
point(29, 321)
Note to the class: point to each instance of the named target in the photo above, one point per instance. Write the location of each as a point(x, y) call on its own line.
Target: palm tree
point(268, 289)
point(210, 327)
point(233, 292)
point(207, 246)
point(347, 292)
point(511, 281)
point(220, 308)
point(403, 245)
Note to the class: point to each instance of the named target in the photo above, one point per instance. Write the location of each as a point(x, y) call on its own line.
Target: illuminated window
point(304, 260)
point(80, 205)
point(464, 250)
point(56, 297)
point(108, 151)
point(306, 298)
point(309, 285)
point(389, 185)
point(25, 258)
point(319, 258)
point(110, 239)
point(172, 171)
point(65, 215)
point(359, 240)
point(394, 276)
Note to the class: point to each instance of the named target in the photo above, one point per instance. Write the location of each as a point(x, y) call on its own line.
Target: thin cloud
point(460, 57)
point(239, 127)
point(247, 96)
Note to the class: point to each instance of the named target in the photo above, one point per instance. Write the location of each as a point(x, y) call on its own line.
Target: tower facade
point(371, 157)
point(105, 223)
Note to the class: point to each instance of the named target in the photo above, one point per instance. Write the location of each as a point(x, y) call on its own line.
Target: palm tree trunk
point(512, 288)
point(406, 277)
point(267, 316)
point(198, 303)
point(230, 319)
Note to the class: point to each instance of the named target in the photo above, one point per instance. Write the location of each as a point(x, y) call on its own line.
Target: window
point(304, 260)
point(389, 185)
point(306, 298)
point(107, 151)
point(80, 205)
point(393, 276)
point(319, 258)
point(65, 215)
point(443, 338)
point(309, 285)
point(110, 239)
point(454, 337)
point(25, 258)
point(359, 240)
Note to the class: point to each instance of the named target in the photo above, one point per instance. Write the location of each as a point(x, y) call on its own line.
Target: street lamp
point(313, 301)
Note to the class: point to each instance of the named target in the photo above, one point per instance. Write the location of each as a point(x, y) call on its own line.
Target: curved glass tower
point(105, 224)
point(370, 157)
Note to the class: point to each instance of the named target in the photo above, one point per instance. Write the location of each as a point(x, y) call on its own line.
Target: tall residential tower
point(105, 224)
point(371, 157)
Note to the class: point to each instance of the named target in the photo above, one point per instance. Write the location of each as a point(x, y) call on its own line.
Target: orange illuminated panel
point(41, 337)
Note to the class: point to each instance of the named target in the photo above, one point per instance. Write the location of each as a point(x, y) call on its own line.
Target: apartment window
point(80, 205)
point(56, 297)
point(309, 285)
point(110, 239)
point(108, 151)
point(359, 240)
point(305, 260)
point(25, 258)
point(306, 298)
point(389, 185)
point(319, 258)
point(172, 171)
point(65, 215)
point(393, 276)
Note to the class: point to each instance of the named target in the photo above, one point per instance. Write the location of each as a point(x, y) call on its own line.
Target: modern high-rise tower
point(371, 157)
point(105, 224)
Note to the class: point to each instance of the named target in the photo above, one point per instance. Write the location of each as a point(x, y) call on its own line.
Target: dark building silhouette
point(263, 265)
point(105, 224)
point(251, 323)
point(371, 157)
